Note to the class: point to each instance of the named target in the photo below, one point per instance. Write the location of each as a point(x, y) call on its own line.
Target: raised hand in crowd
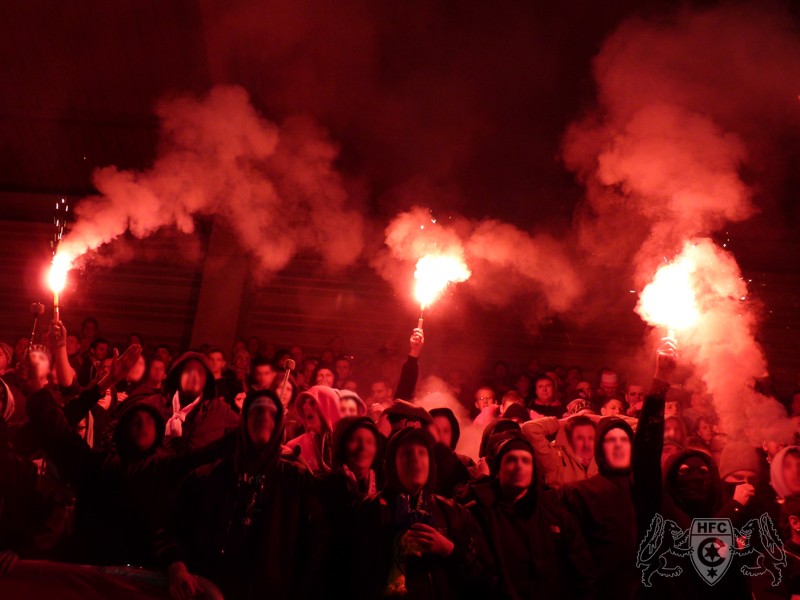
point(417, 342)
point(120, 366)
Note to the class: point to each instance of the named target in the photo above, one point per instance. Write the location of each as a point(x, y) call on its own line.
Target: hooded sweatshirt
point(313, 447)
point(556, 462)
point(244, 522)
point(379, 522)
point(537, 545)
point(456, 433)
point(192, 423)
point(123, 495)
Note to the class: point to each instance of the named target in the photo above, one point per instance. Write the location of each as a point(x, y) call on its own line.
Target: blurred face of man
point(101, 351)
point(573, 378)
point(635, 395)
point(137, 371)
point(142, 431)
point(19, 347)
point(586, 388)
point(73, 345)
point(158, 371)
point(348, 407)
point(612, 408)
point(534, 366)
point(41, 364)
point(343, 369)
point(360, 450)
point(484, 397)
point(193, 379)
point(104, 368)
point(445, 429)
point(217, 363)
point(545, 391)
point(582, 442)
point(672, 430)
point(672, 409)
point(164, 355)
point(253, 344)
point(311, 416)
point(264, 376)
point(516, 471)
point(242, 362)
point(379, 393)
point(413, 464)
point(617, 449)
point(324, 377)
point(791, 473)
point(261, 423)
point(286, 394)
point(523, 385)
point(297, 354)
point(89, 330)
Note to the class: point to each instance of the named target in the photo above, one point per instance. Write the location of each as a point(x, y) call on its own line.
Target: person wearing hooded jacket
point(318, 412)
point(450, 432)
point(124, 495)
point(356, 472)
point(195, 415)
point(615, 506)
point(244, 522)
point(537, 545)
point(407, 541)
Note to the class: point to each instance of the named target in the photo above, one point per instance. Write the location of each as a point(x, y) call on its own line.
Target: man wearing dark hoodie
point(195, 415)
point(614, 507)
point(450, 432)
point(124, 495)
point(537, 545)
point(407, 541)
point(244, 522)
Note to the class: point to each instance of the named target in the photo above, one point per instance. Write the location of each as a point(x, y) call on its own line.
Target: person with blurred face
point(444, 429)
point(216, 361)
point(435, 542)
point(89, 330)
point(344, 371)
point(263, 375)
point(197, 416)
point(573, 377)
point(318, 411)
point(297, 355)
point(380, 394)
point(570, 457)
point(586, 388)
point(609, 383)
point(132, 381)
point(253, 347)
point(613, 406)
point(355, 467)
point(253, 537)
point(324, 376)
point(156, 374)
point(534, 368)
point(674, 430)
point(164, 353)
point(348, 407)
point(672, 408)
point(523, 524)
point(523, 386)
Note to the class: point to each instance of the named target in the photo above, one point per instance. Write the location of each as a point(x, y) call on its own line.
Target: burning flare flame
point(434, 273)
point(58, 272)
point(669, 300)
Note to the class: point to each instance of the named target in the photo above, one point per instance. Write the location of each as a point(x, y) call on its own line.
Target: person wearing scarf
point(407, 542)
point(194, 415)
point(537, 545)
point(245, 522)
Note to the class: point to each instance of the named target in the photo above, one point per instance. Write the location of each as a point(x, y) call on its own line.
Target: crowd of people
point(134, 472)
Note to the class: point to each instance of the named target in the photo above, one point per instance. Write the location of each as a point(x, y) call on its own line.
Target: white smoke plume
point(275, 186)
point(433, 392)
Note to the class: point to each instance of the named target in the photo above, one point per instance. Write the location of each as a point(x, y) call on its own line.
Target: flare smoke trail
point(685, 105)
point(507, 264)
point(274, 186)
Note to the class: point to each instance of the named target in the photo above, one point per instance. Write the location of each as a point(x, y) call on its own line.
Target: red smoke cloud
point(274, 186)
point(686, 106)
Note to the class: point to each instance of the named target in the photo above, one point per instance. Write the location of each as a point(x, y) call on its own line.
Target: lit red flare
point(669, 300)
point(434, 273)
point(58, 272)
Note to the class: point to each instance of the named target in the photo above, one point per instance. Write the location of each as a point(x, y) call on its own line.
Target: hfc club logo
point(712, 545)
point(711, 541)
